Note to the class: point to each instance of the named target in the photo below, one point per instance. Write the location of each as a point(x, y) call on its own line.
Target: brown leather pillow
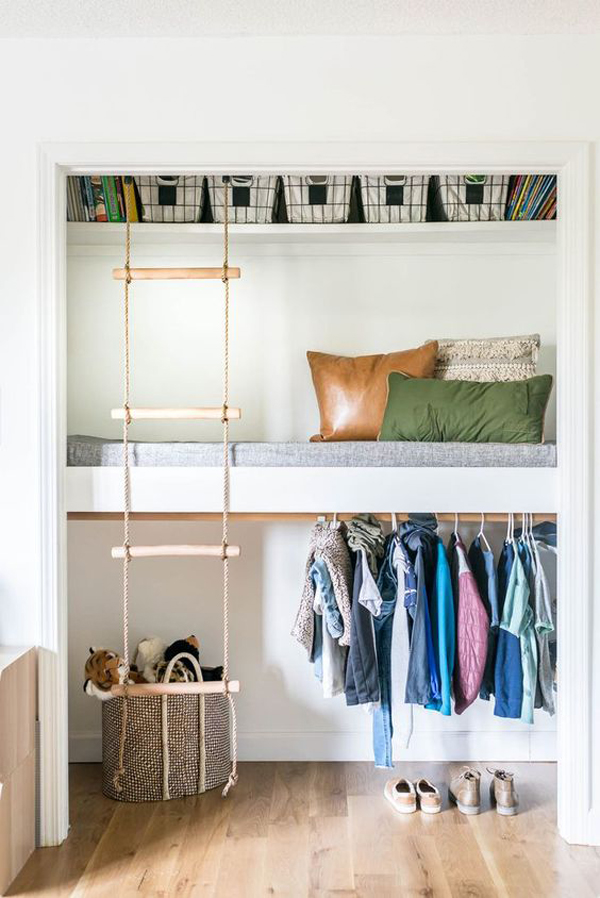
point(352, 392)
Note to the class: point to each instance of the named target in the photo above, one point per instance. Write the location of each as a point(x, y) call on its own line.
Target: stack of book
point(531, 196)
point(101, 198)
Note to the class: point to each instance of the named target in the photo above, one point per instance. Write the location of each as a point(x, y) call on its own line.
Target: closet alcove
point(350, 289)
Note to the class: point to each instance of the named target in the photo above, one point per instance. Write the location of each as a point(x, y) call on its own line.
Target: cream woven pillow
point(493, 359)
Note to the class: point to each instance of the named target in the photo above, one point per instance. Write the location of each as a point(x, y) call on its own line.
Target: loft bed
point(90, 451)
point(288, 480)
point(184, 478)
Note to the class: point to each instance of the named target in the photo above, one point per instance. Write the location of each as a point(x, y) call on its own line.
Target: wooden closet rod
point(176, 274)
point(274, 516)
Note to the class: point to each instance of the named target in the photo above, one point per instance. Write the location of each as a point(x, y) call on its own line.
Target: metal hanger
point(510, 528)
point(481, 534)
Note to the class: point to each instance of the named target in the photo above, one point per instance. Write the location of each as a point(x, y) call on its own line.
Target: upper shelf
point(540, 233)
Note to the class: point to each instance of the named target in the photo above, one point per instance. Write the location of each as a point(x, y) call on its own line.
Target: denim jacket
point(419, 542)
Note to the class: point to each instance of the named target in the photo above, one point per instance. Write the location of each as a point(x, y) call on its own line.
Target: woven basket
point(169, 198)
point(175, 745)
point(317, 199)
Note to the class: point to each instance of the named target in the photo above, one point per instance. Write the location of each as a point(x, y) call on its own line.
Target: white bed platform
point(282, 477)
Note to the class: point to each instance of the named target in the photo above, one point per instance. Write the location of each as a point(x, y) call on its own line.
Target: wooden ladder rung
point(206, 688)
point(183, 414)
point(214, 551)
point(176, 274)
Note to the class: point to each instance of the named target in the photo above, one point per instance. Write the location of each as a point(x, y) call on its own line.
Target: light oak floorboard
point(315, 830)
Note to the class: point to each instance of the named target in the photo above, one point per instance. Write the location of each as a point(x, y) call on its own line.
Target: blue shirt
point(443, 627)
point(508, 672)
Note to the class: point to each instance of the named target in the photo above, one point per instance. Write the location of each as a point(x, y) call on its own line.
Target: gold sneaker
point(502, 793)
point(465, 791)
point(428, 795)
point(402, 795)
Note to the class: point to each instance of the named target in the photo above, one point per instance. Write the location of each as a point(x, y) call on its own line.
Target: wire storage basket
point(171, 198)
point(252, 199)
point(172, 745)
point(469, 197)
point(394, 198)
point(317, 199)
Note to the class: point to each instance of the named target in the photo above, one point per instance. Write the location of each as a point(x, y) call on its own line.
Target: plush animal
point(148, 655)
point(179, 674)
point(192, 647)
point(212, 673)
point(104, 669)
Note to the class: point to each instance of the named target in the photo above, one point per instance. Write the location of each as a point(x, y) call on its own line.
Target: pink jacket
point(472, 626)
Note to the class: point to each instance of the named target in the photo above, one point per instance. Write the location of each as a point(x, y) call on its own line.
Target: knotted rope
point(126, 491)
point(233, 776)
point(226, 496)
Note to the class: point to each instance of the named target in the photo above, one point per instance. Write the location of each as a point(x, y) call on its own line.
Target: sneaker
point(465, 791)
point(430, 800)
point(502, 793)
point(401, 795)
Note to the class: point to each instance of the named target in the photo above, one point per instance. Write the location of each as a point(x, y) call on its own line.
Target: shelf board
point(491, 232)
point(314, 490)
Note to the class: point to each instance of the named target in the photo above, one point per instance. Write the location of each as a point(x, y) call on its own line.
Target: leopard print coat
point(329, 545)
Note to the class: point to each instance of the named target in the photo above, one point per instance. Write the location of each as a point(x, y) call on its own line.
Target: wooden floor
point(311, 829)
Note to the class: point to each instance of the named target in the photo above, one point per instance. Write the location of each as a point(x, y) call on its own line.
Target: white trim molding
point(576, 522)
point(52, 659)
point(578, 778)
point(458, 745)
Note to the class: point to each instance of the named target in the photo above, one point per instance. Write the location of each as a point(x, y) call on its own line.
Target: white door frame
point(578, 817)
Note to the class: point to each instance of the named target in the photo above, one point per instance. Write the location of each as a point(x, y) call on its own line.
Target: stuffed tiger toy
point(104, 669)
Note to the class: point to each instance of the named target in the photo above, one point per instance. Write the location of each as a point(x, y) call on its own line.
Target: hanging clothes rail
point(274, 516)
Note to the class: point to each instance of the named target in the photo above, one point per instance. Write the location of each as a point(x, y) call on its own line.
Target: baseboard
point(85, 748)
point(339, 746)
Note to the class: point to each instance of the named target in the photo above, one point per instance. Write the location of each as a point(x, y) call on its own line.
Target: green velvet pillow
point(444, 411)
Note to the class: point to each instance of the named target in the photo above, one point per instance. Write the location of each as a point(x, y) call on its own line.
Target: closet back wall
point(347, 300)
point(281, 712)
point(340, 299)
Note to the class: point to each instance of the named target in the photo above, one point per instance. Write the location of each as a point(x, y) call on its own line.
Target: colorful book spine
point(89, 194)
point(129, 198)
point(111, 198)
point(83, 195)
point(99, 201)
point(120, 197)
point(78, 200)
point(523, 197)
point(532, 197)
point(70, 204)
point(514, 191)
point(543, 189)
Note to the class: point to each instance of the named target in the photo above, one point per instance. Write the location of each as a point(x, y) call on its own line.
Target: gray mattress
point(85, 451)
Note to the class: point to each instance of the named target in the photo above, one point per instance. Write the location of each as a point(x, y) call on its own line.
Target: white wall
point(477, 88)
point(356, 302)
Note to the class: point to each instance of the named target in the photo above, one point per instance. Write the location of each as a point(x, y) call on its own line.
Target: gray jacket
point(330, 545)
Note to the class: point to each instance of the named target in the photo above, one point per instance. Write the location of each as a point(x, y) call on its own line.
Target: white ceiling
point(215, 18)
